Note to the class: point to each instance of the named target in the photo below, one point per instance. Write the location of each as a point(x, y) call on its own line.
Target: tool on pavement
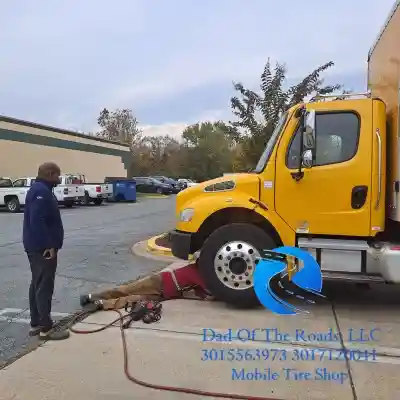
point(146, 311)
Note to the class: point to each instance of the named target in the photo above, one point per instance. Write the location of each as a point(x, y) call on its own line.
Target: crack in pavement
point(347, 361)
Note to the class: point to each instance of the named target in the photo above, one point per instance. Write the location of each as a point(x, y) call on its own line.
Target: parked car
point(12, 197)
point(150, 185)
point(94, 192)
point(13, 193)
point(67, 192)
point(188, 182)
point(176, 186)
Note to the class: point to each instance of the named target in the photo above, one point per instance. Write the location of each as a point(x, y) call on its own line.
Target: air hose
point(79, 317)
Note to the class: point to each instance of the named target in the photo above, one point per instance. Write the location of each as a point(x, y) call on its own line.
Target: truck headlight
point(186, 215)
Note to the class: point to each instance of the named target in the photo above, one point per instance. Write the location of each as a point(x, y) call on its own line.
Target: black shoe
point(54, 335)
point(34, 330)
point(84, 299)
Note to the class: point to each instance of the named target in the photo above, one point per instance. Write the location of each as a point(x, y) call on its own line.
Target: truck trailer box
point(384, 83)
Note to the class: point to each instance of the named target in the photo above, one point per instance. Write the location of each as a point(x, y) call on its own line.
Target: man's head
point(50, 172)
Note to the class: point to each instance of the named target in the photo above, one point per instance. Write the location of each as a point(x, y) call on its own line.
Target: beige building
point(25, 145)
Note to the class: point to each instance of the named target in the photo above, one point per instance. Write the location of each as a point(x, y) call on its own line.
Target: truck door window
point(4, 182)
point(19, 183)
point(336, 135)
point(292, 158)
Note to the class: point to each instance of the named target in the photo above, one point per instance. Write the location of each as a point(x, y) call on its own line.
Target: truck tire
point(98, 202)
point(86, 199)
point(69, 204)
point(13, 205)
point(227, 262)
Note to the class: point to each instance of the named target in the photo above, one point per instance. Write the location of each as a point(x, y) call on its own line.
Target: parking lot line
point(11, 311)
point(23, 315)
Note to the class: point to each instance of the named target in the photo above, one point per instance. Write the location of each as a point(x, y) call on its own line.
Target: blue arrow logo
point(307, 281)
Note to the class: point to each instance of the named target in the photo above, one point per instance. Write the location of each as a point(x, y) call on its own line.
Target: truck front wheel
point(228, 259)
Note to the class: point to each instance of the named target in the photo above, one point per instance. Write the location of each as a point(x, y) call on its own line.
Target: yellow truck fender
point(203, 209)
point(220, 203)
point(285, 232)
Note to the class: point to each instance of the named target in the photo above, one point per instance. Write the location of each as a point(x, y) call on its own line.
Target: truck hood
point(244, 183)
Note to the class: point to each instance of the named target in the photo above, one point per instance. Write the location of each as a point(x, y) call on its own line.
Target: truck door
point(333, 197)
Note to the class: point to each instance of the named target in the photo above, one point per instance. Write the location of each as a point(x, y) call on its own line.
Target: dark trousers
point(41, 290)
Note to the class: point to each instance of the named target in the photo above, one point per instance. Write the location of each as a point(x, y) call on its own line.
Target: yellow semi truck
point(328, 181)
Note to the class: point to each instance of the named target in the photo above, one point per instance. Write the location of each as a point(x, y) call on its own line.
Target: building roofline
point(58, 130)
point(382, 31)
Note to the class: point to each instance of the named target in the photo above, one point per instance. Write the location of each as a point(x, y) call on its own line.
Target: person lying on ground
point(165, 285)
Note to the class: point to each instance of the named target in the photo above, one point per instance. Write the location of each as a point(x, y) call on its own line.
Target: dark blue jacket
point(43, 228)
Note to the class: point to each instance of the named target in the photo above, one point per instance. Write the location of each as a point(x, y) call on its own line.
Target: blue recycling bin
point(123, 189)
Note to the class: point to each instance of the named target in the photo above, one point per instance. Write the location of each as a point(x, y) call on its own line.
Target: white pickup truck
point(67, 193)
point(94, 192)
point(187, 182)
point(10, 196)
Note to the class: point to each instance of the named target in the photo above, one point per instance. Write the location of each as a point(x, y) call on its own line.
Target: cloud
point(199, 97)
point(171, 62)
point(237, 48)
point(171, 129)
point(175, 129)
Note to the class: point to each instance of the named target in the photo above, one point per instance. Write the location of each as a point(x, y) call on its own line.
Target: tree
point(207, 151)
point(120, 126)
point(258, 113)
point(156, 155)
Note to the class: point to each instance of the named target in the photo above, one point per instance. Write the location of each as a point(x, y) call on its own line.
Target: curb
point(153, 196)
point(153, 248)
point(140, 249)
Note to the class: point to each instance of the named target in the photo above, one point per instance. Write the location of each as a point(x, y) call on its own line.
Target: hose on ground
point(155, 386)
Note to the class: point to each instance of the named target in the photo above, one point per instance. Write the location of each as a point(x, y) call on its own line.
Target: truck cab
point(327, 181)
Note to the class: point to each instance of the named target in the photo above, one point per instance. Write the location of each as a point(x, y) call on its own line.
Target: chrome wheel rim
point(235, 263)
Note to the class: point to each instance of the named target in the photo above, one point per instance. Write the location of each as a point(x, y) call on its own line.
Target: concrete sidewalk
point(170, 353)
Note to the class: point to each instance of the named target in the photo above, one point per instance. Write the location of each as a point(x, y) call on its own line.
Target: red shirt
point(188, 277)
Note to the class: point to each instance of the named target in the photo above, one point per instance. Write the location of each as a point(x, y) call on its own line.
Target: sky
point(172, 62)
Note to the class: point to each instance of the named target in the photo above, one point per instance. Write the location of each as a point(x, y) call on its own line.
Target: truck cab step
point(357, 278)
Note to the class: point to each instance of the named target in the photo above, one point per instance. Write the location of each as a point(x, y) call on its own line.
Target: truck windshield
point(271, 144)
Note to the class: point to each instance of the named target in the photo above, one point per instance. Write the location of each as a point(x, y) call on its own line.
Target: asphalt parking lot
point(96, 254)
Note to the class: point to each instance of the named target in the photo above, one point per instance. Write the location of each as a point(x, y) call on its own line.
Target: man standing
point(43, 236)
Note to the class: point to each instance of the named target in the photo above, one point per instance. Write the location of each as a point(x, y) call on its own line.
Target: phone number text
point(284, 355)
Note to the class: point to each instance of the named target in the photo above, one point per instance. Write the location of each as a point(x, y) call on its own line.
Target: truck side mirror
point(307, 141)
point(309, 130)
point(307, 158)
